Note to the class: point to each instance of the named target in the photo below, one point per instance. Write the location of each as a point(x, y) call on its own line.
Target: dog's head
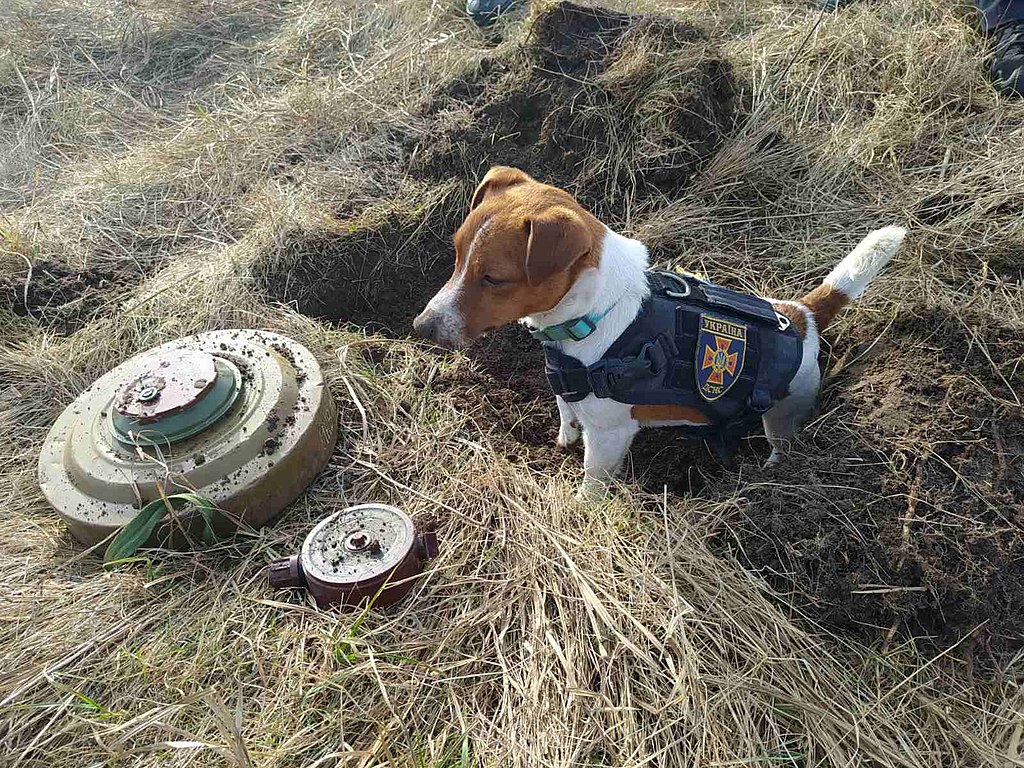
point(521, 248)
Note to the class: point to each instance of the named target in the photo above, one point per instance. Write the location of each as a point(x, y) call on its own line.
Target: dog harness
point(728, 354)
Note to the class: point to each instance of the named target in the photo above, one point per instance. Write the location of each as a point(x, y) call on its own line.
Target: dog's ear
point(498, 178)
point(558, 238)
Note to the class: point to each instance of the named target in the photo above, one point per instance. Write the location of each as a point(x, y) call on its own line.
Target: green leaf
point(89, 703)
point(133, 535)
point(207, 510)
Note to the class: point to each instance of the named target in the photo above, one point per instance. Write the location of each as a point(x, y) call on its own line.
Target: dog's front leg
point(568, 428)
point(605, 449)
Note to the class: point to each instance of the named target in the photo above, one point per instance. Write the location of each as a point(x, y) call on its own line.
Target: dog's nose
point(425, 326)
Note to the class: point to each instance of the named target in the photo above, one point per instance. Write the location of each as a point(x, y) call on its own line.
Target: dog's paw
point(568, 434)
point(592, 491)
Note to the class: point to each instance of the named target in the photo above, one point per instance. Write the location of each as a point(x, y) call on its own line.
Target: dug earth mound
point(59, 298)
point(903, 509)
point(900, 511)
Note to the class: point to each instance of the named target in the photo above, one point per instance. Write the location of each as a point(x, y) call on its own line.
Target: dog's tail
point(851, 276)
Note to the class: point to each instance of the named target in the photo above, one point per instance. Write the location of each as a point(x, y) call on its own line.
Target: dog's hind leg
point(783, 421)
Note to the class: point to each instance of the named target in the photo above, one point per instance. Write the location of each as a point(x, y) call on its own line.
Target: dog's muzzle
point(434, 326)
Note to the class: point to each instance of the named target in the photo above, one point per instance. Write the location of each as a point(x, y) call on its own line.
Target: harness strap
point(608, 377)
point(763, 396)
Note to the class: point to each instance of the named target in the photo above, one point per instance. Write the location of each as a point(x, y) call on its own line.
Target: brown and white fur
point(529, 252)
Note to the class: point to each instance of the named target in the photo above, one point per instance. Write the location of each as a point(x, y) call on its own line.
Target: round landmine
point(241, 417)
point(360, 553)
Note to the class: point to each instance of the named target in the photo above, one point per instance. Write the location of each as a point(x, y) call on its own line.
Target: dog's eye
point(493, 282)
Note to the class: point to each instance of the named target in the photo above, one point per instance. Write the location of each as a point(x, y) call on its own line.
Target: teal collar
point(576, 329)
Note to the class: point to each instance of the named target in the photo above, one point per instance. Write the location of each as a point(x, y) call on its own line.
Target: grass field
point(167, 168)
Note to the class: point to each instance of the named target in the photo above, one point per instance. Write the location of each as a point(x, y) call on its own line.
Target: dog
point(528, 252)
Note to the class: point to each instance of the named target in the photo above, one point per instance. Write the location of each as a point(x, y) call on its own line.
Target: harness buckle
point(653, 352)
point(582, 328)
point(679, 281)
point(760, 400)
point(561, 385)
point(784, 322)
point(606, 376)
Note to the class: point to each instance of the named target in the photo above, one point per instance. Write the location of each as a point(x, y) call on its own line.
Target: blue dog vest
point(728, 354)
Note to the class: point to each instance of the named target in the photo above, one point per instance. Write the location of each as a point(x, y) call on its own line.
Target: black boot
point(1007, 68)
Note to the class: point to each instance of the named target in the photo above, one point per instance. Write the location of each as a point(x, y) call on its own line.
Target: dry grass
point(175, 150)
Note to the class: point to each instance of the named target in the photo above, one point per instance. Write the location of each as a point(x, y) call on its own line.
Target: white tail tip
point(852, 275)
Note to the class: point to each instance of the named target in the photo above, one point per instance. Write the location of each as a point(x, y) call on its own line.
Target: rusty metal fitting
point(362, 553)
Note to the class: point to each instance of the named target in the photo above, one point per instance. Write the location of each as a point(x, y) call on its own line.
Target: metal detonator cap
point(355, 554)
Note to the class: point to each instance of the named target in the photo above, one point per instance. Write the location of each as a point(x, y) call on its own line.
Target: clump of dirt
point(906, 509)
point(668, 458)
point(60, 298)
point(611, 106)
point(508, 394)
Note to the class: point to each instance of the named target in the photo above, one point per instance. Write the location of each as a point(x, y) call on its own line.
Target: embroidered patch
point(721, 350)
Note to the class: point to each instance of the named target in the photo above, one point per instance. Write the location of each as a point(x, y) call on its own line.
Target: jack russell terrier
point(627, 347)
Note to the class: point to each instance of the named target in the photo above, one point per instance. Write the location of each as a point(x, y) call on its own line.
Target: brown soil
point(371, 277)
point(906, 507)
point(60, 298)
point(593, 87)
